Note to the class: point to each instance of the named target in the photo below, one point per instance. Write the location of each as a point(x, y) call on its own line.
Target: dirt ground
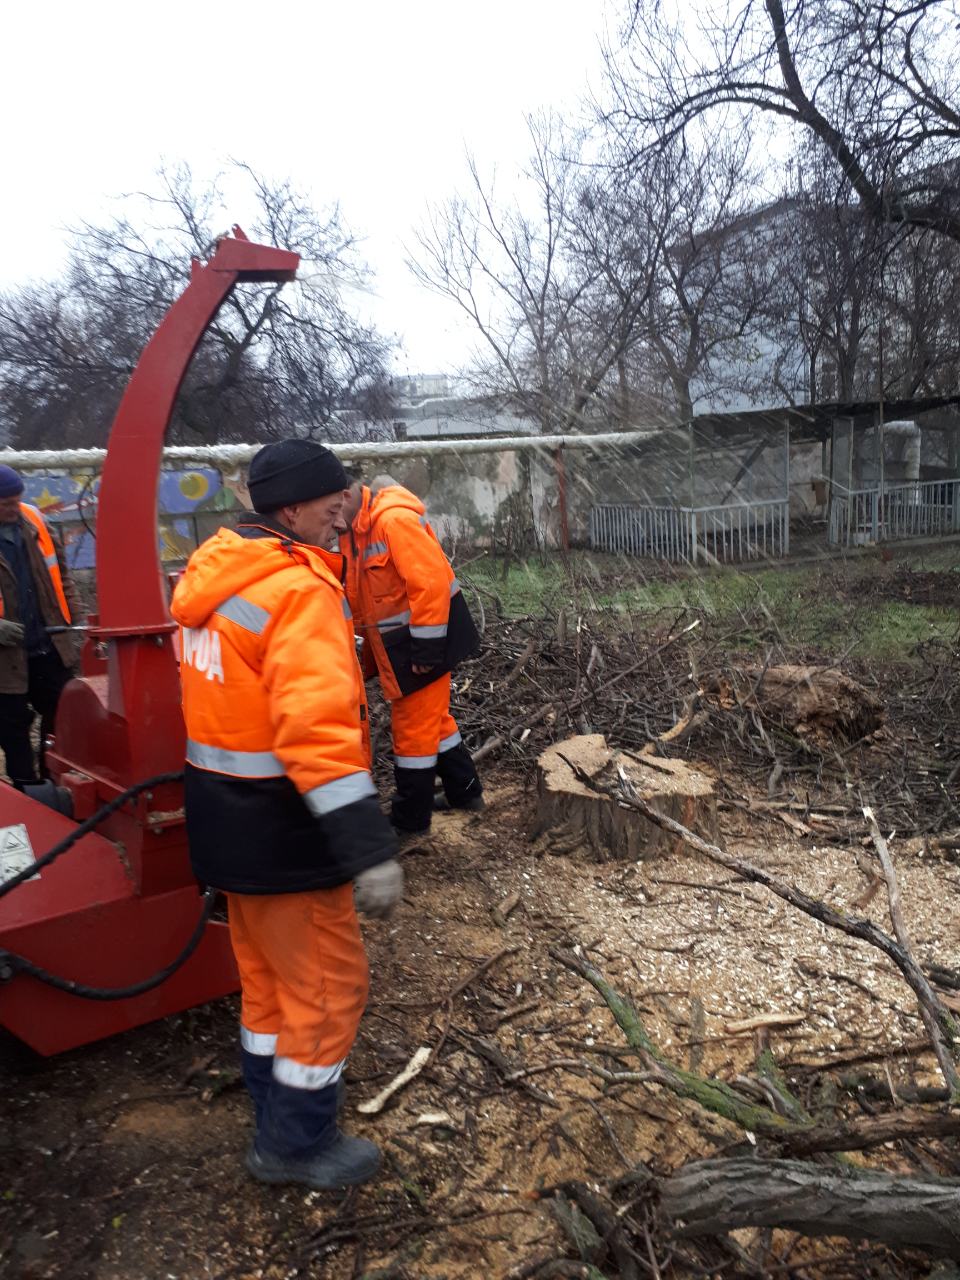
point(124, 1159)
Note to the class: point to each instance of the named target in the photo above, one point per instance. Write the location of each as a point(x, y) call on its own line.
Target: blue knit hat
point(11, 483)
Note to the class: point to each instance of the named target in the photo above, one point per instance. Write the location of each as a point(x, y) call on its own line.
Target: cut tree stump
point(579, 816)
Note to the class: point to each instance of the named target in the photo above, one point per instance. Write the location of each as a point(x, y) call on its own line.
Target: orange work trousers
point(423, 726)
point(304, 980)
point(426, 742)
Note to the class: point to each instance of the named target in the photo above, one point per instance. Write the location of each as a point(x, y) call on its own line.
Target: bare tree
point(825, 278)
point(702, 318)
point(875, 81)
point(555, 283)
point(273, 361)
point(856, 307)
point(919, 317)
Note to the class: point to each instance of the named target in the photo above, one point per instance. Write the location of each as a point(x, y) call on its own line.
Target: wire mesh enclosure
point(696, 494)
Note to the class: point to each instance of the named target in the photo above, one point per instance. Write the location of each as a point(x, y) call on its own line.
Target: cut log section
point(581, 817)
point(819, 703)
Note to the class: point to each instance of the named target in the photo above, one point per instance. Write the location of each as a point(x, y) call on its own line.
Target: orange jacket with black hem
point(279, 797)
point(406, 600)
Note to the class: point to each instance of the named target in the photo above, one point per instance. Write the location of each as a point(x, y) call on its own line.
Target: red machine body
point(122, 903)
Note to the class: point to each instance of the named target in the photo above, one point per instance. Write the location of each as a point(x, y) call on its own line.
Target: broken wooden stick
point(928, 1009)
point(765, 1020)
point(502, 910)
point(409, 1072)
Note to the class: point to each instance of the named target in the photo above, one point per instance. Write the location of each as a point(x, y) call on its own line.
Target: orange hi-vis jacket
point(279, 797)
point(405, 597)
point(51, 563)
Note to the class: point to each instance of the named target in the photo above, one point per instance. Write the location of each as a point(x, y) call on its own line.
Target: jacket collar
point(253, 525)
point(364, 517)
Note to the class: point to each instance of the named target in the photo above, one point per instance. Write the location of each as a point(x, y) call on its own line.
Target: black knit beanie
point(292, 471)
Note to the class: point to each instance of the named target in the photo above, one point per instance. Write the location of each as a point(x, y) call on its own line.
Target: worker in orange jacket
point(281, 810)
point(415, 626)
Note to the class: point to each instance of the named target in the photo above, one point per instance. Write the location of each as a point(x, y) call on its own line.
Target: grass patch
point(835, 606)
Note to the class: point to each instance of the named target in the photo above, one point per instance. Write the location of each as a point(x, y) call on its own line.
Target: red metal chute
point(120, 906)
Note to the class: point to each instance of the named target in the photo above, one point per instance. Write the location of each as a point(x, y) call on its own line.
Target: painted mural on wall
point(188, 500)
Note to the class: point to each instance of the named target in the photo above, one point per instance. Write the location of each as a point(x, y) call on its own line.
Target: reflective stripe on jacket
point(400, 586)
point(278, 789)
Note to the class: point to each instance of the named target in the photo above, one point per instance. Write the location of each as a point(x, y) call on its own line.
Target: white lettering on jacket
point(201, 650)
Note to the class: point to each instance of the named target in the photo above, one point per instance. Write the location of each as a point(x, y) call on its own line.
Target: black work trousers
point(46, 677)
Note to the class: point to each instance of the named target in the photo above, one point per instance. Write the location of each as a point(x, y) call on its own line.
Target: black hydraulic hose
point(85, 828)
point(11, 966)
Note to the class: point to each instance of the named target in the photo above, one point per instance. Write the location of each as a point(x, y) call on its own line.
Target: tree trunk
point(818, 703)
point(709, 1196)
point(579, 816)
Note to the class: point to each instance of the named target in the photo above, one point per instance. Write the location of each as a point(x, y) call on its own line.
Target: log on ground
point(821, 704)
point(596, 821)
point(711, 1196)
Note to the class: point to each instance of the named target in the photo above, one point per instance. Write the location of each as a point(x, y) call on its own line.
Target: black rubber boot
point(412, 805)
point(299, 1141)
point(346, 1162)
point(461, 784)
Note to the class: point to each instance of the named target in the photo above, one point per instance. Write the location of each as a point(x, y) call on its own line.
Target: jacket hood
point(227, 563)
point(392, 498)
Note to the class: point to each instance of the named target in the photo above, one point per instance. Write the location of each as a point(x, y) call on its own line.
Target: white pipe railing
point(734, 532)
point(916, 509)
point(235, 456)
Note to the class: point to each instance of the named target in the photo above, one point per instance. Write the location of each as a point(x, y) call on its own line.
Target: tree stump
point(579, 816)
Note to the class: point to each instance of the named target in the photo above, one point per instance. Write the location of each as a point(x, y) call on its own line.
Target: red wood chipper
point(112, 932)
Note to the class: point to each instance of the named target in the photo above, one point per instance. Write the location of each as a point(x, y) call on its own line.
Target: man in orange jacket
point(282, 813)
point(415, 626)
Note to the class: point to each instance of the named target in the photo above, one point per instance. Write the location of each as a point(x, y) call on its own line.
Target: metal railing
point(738, 531)
point(914, 510)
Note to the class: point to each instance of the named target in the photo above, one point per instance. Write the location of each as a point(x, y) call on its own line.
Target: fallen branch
point(710, 1196)
point(410, 1071)
point(510, 1071)
point(795, 1130)
point(874, 1131)
point(478, 972)
point(714, 1095)
point(929, 1009)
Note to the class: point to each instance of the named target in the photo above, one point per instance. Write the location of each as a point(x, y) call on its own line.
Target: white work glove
point(11, 633)
point(378, 890)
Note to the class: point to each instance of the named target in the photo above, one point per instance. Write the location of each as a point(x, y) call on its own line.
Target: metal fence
point(913, 510)
point(739, 531)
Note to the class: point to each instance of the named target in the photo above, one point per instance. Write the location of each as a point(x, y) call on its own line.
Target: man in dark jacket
point(35, 596)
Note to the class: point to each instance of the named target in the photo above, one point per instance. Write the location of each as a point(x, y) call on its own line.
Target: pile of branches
point(676, 679)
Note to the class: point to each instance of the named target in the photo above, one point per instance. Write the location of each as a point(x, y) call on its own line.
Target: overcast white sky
point(366, 101)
